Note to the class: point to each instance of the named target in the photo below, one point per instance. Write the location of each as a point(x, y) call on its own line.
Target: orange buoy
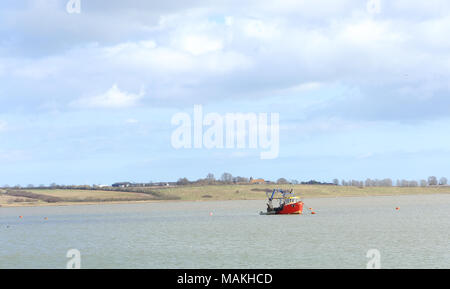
point(313, 213)
point(397, 208)
point(20, 217)
point(45, 218)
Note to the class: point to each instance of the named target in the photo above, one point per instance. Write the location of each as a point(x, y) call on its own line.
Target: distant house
point(122, 185)
point(257, 181)
point(162, 184)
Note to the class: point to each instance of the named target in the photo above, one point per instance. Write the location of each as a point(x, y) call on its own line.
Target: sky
point(361, 88)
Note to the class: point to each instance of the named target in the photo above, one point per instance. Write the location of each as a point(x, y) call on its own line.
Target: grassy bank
point(257, 192)
point(37, 197)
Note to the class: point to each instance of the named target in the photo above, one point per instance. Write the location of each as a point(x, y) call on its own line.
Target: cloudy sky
point(362, 88)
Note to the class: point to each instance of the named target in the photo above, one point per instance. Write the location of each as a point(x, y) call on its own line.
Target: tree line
point(431, 181)
point(227, 178)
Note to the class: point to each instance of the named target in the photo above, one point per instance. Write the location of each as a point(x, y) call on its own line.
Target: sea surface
point(231, 234)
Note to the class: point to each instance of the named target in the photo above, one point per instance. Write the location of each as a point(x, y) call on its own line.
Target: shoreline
point(324, 196)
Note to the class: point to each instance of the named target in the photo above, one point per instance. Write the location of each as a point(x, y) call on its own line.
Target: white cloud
point(204, 57)
point(214, 51)
point(113, 98)
point(321, 125)
point(369, 32)
point(200, 44)
point(131, 121)
point(259, 29)
point(38, 69)
point(2, 68)
point(14, 155)
point(112, 51)
point(229, 20)
point(365, 155)
point(3, 126)
point(308, 86)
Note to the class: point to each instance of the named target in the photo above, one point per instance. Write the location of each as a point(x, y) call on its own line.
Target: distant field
point(255, 192)
point(6, 200)
point(197, 193)
point(62, 196)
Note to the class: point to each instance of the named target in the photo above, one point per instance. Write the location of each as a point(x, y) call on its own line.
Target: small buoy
point(20, 217)
point(397, 208)
point(313, 213)
point(210, 213)
point(45, 218)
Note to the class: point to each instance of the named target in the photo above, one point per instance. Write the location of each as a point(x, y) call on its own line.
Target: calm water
point(184, 235)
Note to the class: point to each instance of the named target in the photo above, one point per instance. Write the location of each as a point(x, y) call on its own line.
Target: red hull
point(296, 208)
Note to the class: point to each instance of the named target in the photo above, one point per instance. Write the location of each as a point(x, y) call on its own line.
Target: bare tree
point(413, 184)
point(282, 181)
point(406, 183)
point(356, 183)
point(387, 182)
point(423, 183)
point(432, 181)
point(240, 180)
point(183, 181)
point(226, 178)
point(443, 181)
point(336, 182)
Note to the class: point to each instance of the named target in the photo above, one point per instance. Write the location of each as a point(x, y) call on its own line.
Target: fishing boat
point(289, 203)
